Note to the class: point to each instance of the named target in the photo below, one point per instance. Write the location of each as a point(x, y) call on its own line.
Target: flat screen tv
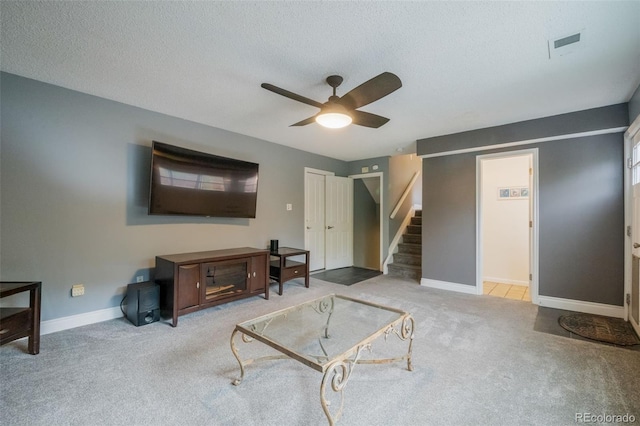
point(192, 183)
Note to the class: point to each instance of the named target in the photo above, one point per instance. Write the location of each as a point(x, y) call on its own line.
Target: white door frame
point(628, 217)
point(533, 192)
point(379, 175)
point(628, 220)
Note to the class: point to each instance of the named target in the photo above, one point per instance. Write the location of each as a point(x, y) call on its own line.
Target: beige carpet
point(477, 361)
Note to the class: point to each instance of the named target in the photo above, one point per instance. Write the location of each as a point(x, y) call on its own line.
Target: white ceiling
point(464, 65)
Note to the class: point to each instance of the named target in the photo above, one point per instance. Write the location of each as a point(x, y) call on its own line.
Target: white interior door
point(339, 222)
point(315, 219)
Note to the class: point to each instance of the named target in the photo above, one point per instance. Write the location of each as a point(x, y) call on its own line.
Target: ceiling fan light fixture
point(333, 119)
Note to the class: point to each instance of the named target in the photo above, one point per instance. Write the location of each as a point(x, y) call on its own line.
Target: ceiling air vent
point(566, 44)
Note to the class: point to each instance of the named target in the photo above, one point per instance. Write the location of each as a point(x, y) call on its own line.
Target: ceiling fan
point(338, 111)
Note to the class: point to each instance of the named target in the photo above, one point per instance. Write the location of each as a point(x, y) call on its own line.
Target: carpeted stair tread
point(410, 248)
point(407, 262)
point(407, 258)
point(412, 238)
point(414, 229)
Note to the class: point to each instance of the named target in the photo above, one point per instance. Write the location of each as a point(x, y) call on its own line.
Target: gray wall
point(581, 221)
point(366, 228)
point(355, 168)
point(401, 170)
point(581, 121)
point(74, 177)
point(448, 219)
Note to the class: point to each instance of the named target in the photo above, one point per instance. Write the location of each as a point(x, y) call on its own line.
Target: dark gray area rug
point(600, 328)
point(347, 276)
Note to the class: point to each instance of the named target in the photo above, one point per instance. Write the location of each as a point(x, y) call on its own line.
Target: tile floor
point(507, 291)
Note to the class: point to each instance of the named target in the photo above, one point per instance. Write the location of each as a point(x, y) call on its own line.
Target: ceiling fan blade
point(367, 119)
point(291, 95)
point(372, 90)
point(305, 121)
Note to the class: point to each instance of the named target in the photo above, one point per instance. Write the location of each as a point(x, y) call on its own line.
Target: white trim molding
point(534, 245)
point(73, 321)
point(582, 306)
point(546, 301)
point(444, 285)
point(318, 171)
point(526, 142)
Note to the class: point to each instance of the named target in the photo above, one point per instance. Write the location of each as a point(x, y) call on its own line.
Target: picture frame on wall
point(513, 193)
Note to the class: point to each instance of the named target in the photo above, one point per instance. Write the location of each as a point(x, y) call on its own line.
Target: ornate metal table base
point(338, 371)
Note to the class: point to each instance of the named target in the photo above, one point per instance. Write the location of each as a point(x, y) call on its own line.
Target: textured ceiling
point(464, 65)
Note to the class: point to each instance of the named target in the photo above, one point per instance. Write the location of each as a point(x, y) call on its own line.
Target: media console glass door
point(224, 278)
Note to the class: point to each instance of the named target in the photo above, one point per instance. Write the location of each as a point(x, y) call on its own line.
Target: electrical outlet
point(77, 290)
point(289, 207)
point(139, 278)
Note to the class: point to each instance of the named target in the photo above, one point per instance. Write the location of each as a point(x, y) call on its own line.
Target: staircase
point(407, 262)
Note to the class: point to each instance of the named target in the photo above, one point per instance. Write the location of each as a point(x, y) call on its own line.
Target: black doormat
point(346, 276)
point(603, 329)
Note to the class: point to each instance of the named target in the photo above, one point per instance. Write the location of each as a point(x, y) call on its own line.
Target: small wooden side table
point(283, 269)
point(16, 323)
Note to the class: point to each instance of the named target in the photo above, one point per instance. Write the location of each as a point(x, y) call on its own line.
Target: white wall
point(505, 230)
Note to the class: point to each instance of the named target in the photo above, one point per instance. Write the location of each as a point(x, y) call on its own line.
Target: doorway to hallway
point(506, 246)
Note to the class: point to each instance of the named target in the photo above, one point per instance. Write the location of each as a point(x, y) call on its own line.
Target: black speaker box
point(143, 303)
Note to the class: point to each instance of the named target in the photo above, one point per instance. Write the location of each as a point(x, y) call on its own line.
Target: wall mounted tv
point(192, 183)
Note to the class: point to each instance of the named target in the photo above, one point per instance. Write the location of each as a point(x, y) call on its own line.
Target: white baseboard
point(506, 281)
point(546, 301)
point(581, 306)
point(73, 321)
point(444, 285)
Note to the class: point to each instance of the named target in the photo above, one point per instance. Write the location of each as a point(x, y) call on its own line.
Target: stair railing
point(405, 194)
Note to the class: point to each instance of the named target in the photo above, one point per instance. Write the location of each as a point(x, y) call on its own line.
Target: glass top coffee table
point(328, 334)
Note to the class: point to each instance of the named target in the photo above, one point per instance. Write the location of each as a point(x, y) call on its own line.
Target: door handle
point(308, 227)
point(636, 245)
point(329, 227)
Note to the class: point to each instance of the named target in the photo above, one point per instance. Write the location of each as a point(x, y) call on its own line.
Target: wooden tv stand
point(193, 281)
point(21, 322)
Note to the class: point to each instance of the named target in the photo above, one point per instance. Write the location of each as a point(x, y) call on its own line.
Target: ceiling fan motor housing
point(334, 81)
